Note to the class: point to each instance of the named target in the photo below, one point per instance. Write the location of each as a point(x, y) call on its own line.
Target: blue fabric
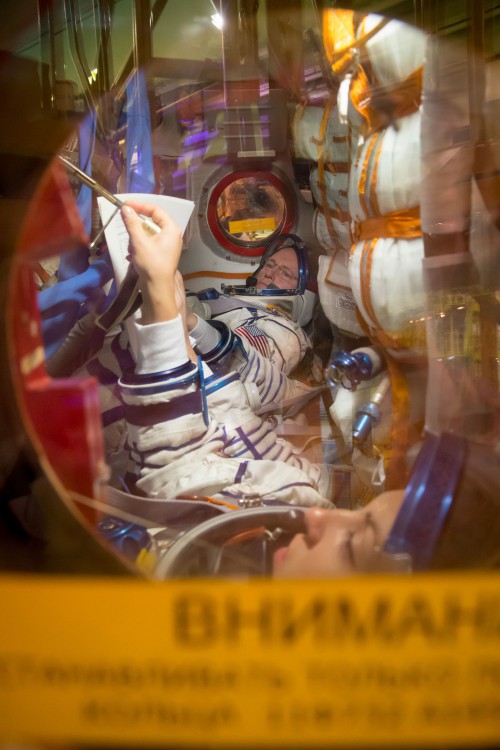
point(140, 171)
point(76, 261)
point(61, 305)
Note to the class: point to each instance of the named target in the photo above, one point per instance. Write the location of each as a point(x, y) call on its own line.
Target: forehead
point(286, 257)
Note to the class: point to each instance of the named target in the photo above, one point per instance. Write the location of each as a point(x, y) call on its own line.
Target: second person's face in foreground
point(340, 542)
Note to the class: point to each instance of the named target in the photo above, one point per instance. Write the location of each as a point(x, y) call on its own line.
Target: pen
point(147, 223)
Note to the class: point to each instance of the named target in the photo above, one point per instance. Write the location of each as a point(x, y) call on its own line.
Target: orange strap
point(215, 275)
point(376, 332)
point(406, 96)
point(398, 225)
point(321, 167)
point(396, 470)
point(359, 94)
point(329, 275)
point(387, 339)
point(339, 38)
point(327, 111)
point(335, 213)
point(374, 143)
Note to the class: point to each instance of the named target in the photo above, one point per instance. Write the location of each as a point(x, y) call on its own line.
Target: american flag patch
point(255, 338)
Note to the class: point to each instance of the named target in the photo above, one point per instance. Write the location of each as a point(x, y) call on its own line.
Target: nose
point(316, 521)
point(271, 271)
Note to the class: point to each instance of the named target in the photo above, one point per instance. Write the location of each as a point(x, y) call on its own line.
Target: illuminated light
point(93, 75)
point(343, 99)
point(217, 21)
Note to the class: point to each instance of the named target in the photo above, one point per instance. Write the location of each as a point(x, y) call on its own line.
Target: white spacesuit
point(195, 429)
point(193, 432)
point(257, 330)
point(262, 345)
point(252, 346)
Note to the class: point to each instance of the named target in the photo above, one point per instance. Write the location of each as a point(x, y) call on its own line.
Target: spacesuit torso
point(262, 344)
point(195, 432)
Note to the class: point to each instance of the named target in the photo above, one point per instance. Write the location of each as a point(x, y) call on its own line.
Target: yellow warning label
point(252, 225)
point(369, 661)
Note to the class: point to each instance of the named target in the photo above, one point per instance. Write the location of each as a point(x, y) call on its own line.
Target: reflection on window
point(250, 210)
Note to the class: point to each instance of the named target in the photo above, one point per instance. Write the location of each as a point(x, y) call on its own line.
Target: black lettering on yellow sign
point(367, 674)
point(485, 672)
point(200, 620)
point(21, 671)
point(326, 715)
point(141, 712)
point(465, 712)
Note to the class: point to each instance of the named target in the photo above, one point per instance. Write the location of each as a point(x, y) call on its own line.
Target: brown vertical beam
point(425, 14)
point(476, 71)
point(142, 34)
point(105, 60)
point(286, 45)
point(48, 54)
point(240, 52)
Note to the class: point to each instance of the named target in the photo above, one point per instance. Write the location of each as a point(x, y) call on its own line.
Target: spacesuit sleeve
point(268, 388)
point(193, 432)
point(266, 354)
point(263, 351)
point(206, 337)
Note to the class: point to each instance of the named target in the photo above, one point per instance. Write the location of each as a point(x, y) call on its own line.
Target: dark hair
point(470, 537)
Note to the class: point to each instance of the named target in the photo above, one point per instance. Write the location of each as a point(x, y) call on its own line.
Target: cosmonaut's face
point(282, 270)
point(340, 542)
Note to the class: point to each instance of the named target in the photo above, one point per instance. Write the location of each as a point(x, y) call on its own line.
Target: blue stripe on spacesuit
point(122, 353)
point(213, 383)
point(256, 452)
point(269, 449)
point(104, 375)
point(276, 391)
point(250, 446)
point(132, 378)
point(261, 430)
point(156, 390)
point(235, 495)
point(251, 356)
point(276, 456)
point(257, 364)
point(145, 415)
point(261, 453)
point(162, 387)
point(241, 472)
point(283, 487)
point(225, 344)
point(112, 415)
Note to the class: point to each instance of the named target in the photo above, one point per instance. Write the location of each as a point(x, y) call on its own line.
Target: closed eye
point(359, 559)
point(350, 549)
